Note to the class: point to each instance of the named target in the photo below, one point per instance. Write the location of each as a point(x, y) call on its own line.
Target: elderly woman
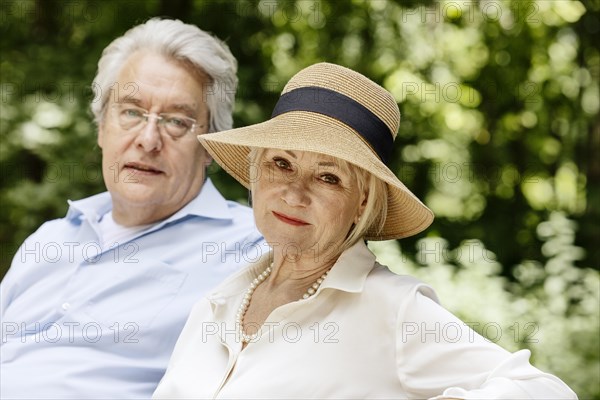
point(318, 317)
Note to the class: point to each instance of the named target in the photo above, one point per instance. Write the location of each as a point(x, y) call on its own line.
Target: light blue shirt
point(82, 322)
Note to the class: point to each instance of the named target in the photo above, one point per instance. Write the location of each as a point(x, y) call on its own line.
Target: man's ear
point(100, 135)
point(206, 155)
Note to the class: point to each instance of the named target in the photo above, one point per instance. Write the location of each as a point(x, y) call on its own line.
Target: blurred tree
point(499, 99)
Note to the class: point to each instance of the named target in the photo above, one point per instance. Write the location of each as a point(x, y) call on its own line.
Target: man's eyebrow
point(130, 100)
point(185, 108)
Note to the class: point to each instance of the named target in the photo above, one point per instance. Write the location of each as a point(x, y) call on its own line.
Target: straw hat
point(332, 110)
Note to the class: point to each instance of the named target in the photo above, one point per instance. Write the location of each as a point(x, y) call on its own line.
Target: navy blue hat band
point(343, 108)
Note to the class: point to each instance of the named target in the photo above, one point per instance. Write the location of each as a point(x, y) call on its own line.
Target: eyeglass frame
point(160, 118)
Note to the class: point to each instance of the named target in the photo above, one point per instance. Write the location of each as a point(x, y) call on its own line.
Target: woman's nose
point(296, 193)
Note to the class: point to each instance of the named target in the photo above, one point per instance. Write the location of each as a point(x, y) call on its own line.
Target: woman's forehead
point(307, 155)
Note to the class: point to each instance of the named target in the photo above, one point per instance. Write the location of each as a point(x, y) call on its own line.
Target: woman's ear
point(361, 207)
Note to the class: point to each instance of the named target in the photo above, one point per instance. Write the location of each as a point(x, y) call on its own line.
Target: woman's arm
point(441, 357)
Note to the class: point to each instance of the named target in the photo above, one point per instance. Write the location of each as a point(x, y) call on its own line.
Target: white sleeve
point(441, 357)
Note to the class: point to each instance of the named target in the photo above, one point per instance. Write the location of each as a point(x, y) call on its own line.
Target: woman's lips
point(290, 220)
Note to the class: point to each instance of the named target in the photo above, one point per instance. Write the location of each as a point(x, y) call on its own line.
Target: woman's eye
point(331, 179)
point(281, 163)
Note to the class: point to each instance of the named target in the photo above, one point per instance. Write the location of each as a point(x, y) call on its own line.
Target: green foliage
point(499, 135)
point(551, 308)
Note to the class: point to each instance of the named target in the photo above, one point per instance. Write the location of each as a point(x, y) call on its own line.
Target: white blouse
point(366, 333)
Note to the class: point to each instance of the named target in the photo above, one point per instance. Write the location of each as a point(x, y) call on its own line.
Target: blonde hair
point(373, 217)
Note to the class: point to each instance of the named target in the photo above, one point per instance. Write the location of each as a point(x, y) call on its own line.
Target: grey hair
point(201, 51)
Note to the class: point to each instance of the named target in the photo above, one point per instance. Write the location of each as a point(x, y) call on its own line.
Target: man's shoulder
point(239, 209)
point(217, 218)
point(75, 210)
point(243, 217)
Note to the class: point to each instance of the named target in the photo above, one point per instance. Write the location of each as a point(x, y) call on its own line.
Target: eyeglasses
point(132, 118)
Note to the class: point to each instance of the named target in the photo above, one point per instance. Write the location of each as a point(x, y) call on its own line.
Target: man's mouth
point(143, 168)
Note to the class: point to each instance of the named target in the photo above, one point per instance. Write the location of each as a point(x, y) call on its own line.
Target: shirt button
point(65, 306)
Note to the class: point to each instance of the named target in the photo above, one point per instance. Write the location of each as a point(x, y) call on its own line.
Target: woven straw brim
point(406, 215)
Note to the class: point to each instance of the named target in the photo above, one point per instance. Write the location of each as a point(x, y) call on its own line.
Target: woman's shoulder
point(383, 281)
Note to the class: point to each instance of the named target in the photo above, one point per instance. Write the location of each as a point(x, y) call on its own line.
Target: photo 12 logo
point(69, 331)
point(454, 332)
point(289, 332)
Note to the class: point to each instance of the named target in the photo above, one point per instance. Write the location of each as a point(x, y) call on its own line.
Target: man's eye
point(178, 122)
point(132, 113)
point(330, 178)
point(282, 163)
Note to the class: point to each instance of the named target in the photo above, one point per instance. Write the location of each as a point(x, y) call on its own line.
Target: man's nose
point(149, 138)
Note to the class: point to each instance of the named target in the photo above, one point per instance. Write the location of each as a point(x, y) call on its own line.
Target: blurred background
point(500, 136)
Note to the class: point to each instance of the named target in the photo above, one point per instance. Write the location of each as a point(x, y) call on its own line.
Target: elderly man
point(101, 320)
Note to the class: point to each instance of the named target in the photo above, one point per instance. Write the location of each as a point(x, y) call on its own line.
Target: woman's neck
point(298, 273)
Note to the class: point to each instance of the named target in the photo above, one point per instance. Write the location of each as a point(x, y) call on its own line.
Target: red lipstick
point(290, 220)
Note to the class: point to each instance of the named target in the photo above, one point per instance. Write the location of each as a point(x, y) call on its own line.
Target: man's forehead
point(149, 78)
point(156, 70)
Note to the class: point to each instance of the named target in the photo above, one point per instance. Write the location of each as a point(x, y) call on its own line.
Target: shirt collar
point(351, 269)
point(348, 273)
point(92, 208)
point(209, 203)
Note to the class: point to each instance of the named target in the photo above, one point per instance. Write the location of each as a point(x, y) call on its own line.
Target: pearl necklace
point(239, 318)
